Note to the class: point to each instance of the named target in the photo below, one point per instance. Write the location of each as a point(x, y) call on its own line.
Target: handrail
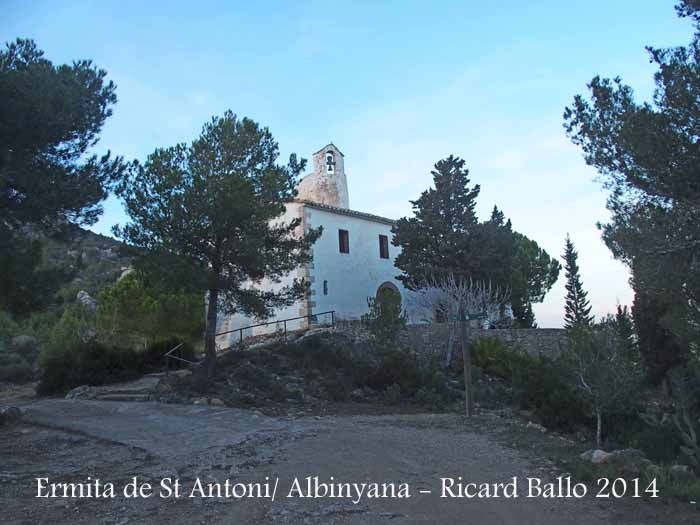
point(283, 321)
point(168, 355)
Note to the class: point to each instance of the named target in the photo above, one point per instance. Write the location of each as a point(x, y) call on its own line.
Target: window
point(325, 287)
point(330, 162)
point(383, 247)
point(344, 241)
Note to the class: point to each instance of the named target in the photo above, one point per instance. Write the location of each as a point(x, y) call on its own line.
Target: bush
point(538, 386)
point(497, 359)
point(396, 367)
point(13, 367)
point(87, 364)
point(330, 357)
point(392, 394)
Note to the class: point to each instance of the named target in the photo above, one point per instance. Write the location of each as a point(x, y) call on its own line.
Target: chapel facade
point(353, 259)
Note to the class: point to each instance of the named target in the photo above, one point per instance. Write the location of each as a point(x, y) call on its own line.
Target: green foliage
point(50, 118)
point(446, 213)
point(661, 349)
point(204, 213)
point(26, 283)
point(396, 367)
point(8, 326)
point(661, 444)
point(328, 356)
point(88, 363)
point(73, 363)
point(392, 394)
point(577, 308)
point(686, 416)
point(599, 367)
point(15, 367)
point(539, 387)
point(647, 156)
point(445, 237)
point(132, 312)
point(533, 275)
point(385, 320)
point(497, 359)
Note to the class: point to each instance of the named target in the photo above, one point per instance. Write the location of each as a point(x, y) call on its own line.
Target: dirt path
point(416, 450)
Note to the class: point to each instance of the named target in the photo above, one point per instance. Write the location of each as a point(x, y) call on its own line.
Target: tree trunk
point(599, 428)
point(467, 358)
point(210, 338)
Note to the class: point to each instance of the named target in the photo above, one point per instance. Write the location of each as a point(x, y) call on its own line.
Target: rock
point(9, 414)
point(216, 402)
point(86, 300)
point(124, 273)
point(82, 392)
point(200, 401)
point(358, 395)
point(535, 426)
point(596, 456)
point(681, 473)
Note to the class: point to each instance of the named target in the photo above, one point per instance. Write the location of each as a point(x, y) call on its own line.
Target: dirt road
point(413, 451)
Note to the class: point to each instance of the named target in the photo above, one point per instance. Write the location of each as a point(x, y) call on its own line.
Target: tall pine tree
point(577, 308)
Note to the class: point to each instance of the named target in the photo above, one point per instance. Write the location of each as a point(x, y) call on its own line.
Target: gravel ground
point(416, 450)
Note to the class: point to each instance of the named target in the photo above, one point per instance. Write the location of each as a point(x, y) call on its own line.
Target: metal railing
point(169, 355)
point(283, 321)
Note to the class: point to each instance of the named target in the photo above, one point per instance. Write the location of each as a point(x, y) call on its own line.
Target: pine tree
point(205, 214)
point(577, 308)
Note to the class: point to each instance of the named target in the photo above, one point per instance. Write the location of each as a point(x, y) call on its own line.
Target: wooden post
point(467, 358)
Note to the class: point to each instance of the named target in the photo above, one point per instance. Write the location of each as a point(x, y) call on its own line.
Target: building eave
point(349, 213)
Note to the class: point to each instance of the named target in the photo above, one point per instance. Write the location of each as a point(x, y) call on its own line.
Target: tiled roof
point(344, 211)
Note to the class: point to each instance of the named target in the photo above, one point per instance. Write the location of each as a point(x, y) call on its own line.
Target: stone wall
point(433, 339)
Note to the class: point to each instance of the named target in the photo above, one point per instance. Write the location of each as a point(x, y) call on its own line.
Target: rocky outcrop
point(86, 300)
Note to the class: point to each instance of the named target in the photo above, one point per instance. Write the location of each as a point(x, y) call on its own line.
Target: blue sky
point(396, 85)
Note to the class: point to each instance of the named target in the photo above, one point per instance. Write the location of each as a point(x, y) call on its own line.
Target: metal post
point(240, 331)
point(285, 329)
point(332, 319)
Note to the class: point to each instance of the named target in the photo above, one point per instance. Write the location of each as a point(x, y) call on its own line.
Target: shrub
point(431, 397)
point(538, 386)
point(329, 357)
point(87, 364)
point(392, 394)
point(498, 359)
point(13, 367)
point(660, 444)
point(396, 367)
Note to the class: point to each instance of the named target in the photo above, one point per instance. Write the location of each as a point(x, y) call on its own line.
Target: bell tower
point(327, 184)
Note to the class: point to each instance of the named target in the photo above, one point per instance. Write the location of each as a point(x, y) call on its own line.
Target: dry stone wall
point(433, 339)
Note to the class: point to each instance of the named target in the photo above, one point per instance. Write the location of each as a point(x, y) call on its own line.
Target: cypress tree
point(577, 308)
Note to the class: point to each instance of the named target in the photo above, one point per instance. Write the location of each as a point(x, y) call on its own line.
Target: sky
point(396, 86)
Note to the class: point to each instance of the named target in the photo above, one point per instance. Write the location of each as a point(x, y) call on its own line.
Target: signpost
point(463, 317)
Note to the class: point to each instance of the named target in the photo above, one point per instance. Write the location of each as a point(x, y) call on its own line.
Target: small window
point(325, 287)
point(383, 247)
point(344, 241)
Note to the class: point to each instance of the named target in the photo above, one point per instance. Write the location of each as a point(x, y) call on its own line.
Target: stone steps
point(133, 397)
